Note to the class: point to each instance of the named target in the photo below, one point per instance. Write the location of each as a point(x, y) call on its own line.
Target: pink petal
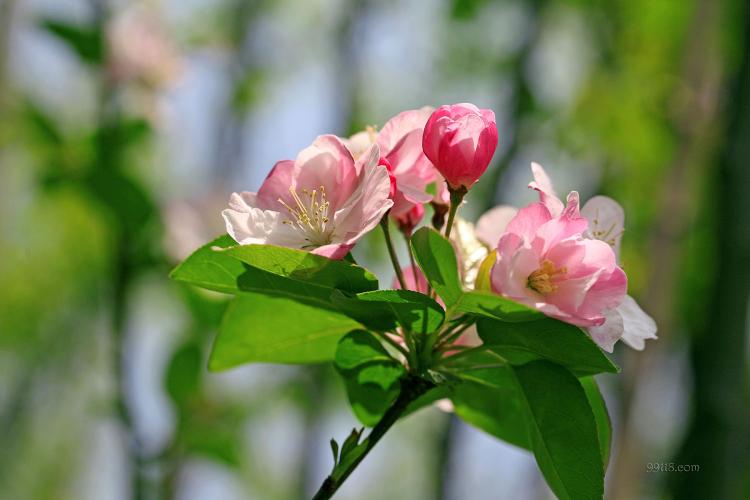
point(367, 205)
point(276, 186)
point(543, 185)
point(401, 125)
point(327, 163)
point(335, 251)
point(528, 220)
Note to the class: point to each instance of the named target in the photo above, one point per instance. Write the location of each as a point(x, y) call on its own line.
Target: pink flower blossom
point(323, 201)
point(460, 140)
point(605, 218)
point(545, 262)
point(400, 143)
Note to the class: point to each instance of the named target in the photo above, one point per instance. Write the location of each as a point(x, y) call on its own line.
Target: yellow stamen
point(541, 280)
point(311, 217)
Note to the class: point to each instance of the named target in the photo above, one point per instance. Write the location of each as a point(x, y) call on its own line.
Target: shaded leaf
point(359, 347)
point(304, 266)
point(546, 338)
point(489, 399)
point(384, 310)
point(490, 305)
point(601, 415)
point(184, 373)
point(562, 430)
point(371, 376)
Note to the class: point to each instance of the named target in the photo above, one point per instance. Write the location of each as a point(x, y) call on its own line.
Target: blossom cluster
point(551, 255)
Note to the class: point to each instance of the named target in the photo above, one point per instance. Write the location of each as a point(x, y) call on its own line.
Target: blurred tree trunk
point(693, 121)
point(718, 439)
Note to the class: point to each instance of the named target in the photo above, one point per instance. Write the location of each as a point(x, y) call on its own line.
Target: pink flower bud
point(460, 140)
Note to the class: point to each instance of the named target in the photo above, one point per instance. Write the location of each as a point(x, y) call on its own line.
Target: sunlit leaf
point(562, 430)
point(267, 329)
point(371, 376)
point(546, 338)
point(437, 259)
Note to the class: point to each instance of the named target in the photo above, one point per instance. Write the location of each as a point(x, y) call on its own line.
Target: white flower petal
point(607, 334)
point(253, 225)
point(491, 225)
point(606, 221)
point(638, 326)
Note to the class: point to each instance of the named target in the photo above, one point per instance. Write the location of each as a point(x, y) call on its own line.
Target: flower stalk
point(392, 252)
point(412, 387)
point(457, 196)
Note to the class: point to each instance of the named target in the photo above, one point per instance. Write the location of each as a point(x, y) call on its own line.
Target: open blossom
point(605, 223)
point(460, 140)
point(400, 143)
point(323, 201)
point(545, 262)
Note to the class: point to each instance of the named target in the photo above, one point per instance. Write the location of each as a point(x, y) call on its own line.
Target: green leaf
point(335, 451)
point(359, 347)
point(218, 266)
point(562, 430)
point(267, 329)
point(369, 402)
point(260, 281)
point(83, 40)
point(490, 305)
point(371, 376)
point(489, 399)
point(384, 310)
point(304, 266)
point(437, 259)
point(210, 269)
point(603, 423)
point(546, 338)
point(184, 373)
point(351, 442)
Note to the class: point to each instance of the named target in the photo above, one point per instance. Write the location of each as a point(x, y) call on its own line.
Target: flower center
point(541, 280)
point(310, 216)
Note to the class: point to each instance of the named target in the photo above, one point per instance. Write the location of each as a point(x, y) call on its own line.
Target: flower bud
point(460, 140)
